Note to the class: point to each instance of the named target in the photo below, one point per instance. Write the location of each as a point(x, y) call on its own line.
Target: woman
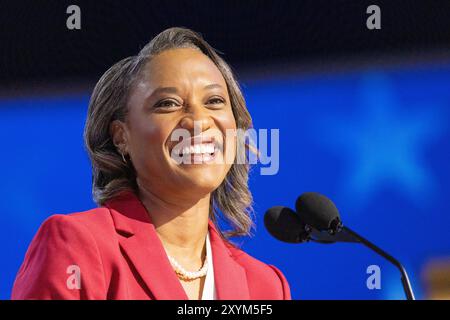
point(154, 234)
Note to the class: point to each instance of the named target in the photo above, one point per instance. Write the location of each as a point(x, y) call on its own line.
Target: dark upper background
point(36, 46)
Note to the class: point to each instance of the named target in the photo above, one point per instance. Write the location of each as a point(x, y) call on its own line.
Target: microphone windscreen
point(285, 225)
point(317, 210)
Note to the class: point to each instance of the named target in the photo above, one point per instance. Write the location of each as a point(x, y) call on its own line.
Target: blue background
point(375, 141)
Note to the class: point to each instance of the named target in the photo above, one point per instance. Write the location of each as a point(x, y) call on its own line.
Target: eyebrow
point(213, 86)
point(175, 90)
point(164, 90)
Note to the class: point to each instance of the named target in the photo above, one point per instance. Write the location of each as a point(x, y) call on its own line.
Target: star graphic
point(383, 144)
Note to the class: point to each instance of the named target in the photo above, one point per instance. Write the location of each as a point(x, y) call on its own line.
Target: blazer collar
point(140, 242)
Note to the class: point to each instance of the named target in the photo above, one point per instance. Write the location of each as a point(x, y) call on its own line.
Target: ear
point(118, 134)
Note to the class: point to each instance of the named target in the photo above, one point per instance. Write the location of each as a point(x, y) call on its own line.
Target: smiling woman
point(155, 233)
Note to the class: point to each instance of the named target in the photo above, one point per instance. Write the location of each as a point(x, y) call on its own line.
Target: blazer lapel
point(229, 276)
point(141, 244)
point(144, 248)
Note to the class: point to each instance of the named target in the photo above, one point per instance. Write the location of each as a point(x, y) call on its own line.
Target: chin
point(204, 183)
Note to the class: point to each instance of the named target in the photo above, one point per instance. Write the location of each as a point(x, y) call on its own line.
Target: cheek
point(225, 120)
point(228, 127)
point(148, 142)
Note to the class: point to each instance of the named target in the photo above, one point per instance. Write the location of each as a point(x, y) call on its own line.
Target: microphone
point(322, 216)
point(285, 225)
point(319, 212)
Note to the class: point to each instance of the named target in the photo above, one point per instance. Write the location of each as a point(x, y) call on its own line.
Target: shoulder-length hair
point(231, 201)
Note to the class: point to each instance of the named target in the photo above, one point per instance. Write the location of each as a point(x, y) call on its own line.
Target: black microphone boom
point(404, 276)
point(321, 214)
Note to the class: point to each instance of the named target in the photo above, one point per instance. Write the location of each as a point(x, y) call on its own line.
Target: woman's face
point(180, 89)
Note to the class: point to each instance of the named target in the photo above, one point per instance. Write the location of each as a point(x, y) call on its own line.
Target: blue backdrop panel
point(376, 142)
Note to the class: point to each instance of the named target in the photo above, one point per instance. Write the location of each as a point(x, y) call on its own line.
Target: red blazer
point(118, 255)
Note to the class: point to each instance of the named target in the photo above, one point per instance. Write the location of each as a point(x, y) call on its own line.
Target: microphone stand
point(404, 276)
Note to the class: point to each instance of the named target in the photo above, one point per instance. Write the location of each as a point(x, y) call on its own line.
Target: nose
point(196, 119)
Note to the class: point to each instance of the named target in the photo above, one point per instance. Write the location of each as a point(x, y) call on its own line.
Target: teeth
point(185, 150)
point(199, 149)
point(209, 148)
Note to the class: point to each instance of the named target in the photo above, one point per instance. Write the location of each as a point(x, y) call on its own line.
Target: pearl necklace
point(188, 275)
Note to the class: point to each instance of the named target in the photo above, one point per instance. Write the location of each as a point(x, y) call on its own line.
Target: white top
point(209, 289)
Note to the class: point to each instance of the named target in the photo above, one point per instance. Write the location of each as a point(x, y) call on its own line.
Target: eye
point(167, 104)
point(216, 101)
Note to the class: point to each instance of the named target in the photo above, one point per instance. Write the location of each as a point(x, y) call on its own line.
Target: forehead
point(181, 66)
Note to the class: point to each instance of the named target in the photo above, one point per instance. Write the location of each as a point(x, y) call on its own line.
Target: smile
point(195, 150)
point(202, 149)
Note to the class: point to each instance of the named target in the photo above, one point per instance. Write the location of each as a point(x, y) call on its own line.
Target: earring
point(123, 157)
